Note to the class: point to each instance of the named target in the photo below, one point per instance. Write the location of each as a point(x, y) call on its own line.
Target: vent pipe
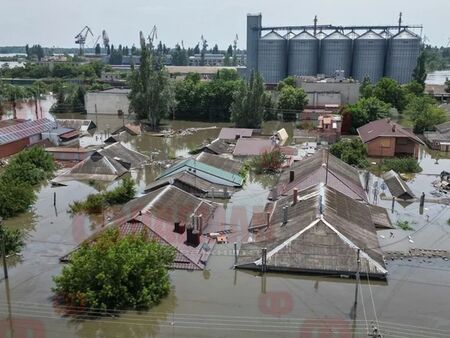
point(295, 196)
point(267, 219)
point(291, 176)
point(285, 214)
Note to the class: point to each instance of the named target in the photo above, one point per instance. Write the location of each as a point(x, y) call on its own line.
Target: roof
point(336, 35)
point(370, 35)
point(253, 146)
point(443, 127)
point(304, 36)
point(220, 162)
point(125, 91)
point(77, 150)
point(11, 122)
point(26, 129)
point(130, 128)
point(69, 134)
point(324, 231)
point(380, 217)
point(272, 36)
point(119, 151)
point(234, 133)
point(385, 128)
point(207, 171)
point(77, 124)
point(218, 147)
point(405, 34)
point(312, 170)
point(397, 186)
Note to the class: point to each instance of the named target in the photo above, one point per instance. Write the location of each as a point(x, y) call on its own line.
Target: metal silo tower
point(272, 57)
point(369, 53)
point(336, 54)
point(303, 55)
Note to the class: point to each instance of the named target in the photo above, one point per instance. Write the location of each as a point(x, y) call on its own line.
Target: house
point(131, 129)
point(385, 138)
point(204, 171)
point(61, 136)
point(69, 154)
point(329, 127)
point(217, 147)
point(321, 167)
point(172, 217)
point(105, 164)
point(83, 126)
point(232, 134)
point(17, 135)
point(192, 184)
point(253, 146)
point(439, 139)
point(397, 186)
point(317, 231)
point(220, 162)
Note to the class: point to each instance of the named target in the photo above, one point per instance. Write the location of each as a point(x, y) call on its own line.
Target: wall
point(13, 147)
point(406, 146)
point(317, 99)
point(349, 91)
point(107, 103)
point(381, 147)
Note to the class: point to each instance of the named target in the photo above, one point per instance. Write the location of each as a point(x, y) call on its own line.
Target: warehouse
point(309, 50)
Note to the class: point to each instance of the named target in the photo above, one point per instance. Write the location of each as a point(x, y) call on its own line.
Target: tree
point(230, 50)
point(424, 113)
point(389, 91)
point(215, 49)
point(116, 272)
point(352, 152)
point(98, 49)
point(14, 240)
point(196, 49)
point(366, 89)
point(367, 110)
point(289, 82)
point(247, 108)
point(151, 93)
point(448, 86)
point(414, 88)
point(268, 162)
point(420, 73)
point(292, 101)
point(179, 56)
point(78, 104)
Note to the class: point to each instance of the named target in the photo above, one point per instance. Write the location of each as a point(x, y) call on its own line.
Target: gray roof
point(220, 162)
point(324, 231)
point(397, 186)
point(26, 129)
point(119, 151)
point(233, 133)
point(77, 124)
point(443, 127)
point(312, 170)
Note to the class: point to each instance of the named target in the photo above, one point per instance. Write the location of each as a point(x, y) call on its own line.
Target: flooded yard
point(223, 302)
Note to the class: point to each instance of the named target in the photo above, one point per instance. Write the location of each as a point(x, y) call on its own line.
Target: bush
point(122, 194)
point(116, 272)
point(404, 225)
point(14, 240)
point(352, 152)
point(268, 162)
point(401, 165)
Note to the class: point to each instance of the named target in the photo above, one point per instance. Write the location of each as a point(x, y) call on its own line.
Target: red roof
point(385, 128)
point(69, 135)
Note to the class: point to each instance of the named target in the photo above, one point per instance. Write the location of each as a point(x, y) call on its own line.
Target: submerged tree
point(247, 109)
point(151, 93)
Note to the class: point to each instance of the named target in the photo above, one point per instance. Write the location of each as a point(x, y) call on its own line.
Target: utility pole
point(5, 267)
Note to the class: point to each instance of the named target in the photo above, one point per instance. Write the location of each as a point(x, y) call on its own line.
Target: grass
point(404, 225)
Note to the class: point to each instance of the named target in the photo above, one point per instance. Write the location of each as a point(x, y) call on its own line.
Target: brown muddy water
point(222, 302)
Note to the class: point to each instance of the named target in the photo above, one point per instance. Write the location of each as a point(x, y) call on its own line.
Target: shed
point(397, 186)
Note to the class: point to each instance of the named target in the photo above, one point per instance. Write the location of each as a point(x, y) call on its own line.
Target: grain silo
point(402, 53)
point(303, 55)
point(272, 57)
point(352, 35)
point(369, 52)
point(321, 35)
point(335, 54)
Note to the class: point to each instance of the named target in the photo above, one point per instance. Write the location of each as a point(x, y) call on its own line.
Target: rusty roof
point(234, 133)
point(26, 129)
point(253, 146)
point(313, 170)
point(385, 128)
point(324, 231)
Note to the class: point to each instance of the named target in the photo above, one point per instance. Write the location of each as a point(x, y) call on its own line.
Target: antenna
point(400, 22)
point(315, 25)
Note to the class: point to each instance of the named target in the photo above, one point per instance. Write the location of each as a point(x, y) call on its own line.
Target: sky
point(56, 22)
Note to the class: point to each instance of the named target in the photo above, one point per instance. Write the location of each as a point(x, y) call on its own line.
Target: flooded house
point(172, 217)
point(83, 126)
point(439, 139)
point(317, 231)
point(397, 186)
point(220, 162)
point(385, 138)
point(321, 167)
point(246, 147)
point(217, 147)
point(233, 134)
point(61, 136)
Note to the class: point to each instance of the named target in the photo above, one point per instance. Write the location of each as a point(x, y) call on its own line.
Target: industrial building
point(357, 51)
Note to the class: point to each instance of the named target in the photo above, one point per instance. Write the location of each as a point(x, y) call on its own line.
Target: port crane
point(80, 38)
point(236, 39)
point(105, 38)
point(152, 36)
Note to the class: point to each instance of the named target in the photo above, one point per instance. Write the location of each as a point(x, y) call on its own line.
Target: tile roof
point(26, 129)
point(387, 128)
point(324, 231)
point(253, 146)
point(234, 133)
point(312, 170)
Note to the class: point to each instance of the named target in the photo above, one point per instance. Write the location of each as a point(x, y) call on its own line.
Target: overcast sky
point(56, 22)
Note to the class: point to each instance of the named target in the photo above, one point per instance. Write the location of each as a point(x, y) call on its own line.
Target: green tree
point(179, 56)
point(98, 49)
point(366, 89)
point(215, 49)
point(292, 101)
point(14, 240)
point(414, 88)
point(151, 93)
point(247, 109)
point(420, 73)
point(389, 91)
point(15, 197)
point(116, 272)
point(424, 113)
point(448, 86)
point(352, 152)
point(367, 110)
point(287, 82)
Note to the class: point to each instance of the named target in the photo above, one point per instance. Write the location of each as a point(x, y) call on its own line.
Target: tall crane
point(236, 39)
point(105, 38)
point(80, 38)
point(152, 36)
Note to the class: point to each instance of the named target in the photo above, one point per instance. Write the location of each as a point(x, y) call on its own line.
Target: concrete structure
point(385, 138)
point(108, 102)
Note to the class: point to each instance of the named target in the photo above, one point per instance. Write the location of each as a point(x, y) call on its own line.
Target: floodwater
point(438, 77)
point(222, 302)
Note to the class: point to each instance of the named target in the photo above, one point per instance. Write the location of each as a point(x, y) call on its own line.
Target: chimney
point(295, 196)
point(267, 219)
point(200, 224)
point(393, 127)
point(291, 176)
point(192, 233)
point(176, 227)
point(285, 214)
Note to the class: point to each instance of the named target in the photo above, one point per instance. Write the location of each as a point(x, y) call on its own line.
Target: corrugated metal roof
point(119, 151)
point(234, 133)
point(370, 35)
point(26, 129)
point(405, 35)
point(272, 36)
point(385, 127)
point(353, 35)
point(336, 36)
point(324, 231)
point(304, 36)
point(253, 146)
point(443, 127)
point(77, 124)
point(397, 186)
